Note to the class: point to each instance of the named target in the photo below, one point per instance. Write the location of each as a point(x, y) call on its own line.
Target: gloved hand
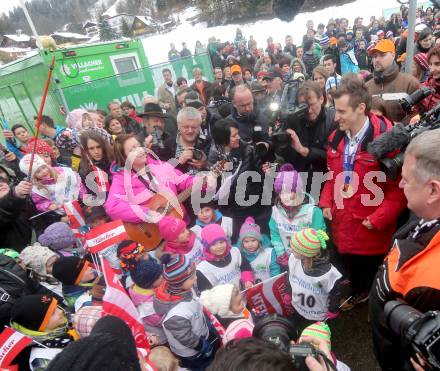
point(283, 260)
point(287, 299)
point(206, 349)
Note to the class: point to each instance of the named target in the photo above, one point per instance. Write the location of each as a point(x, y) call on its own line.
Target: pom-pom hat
point(308, 242)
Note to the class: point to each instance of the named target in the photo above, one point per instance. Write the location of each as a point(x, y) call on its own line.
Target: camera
point(280, 331)
point(410, 101)
point(398, 138)
point(420, 330)
point(157, 135)
point(201, 143)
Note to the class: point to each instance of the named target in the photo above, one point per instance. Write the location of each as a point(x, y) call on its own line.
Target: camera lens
point(392, 166)
point(276, 329)
point(197, 154)
point(400, 317)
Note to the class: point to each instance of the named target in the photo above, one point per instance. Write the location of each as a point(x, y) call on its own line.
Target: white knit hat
point(218, 299)
point(26, 161)
point(35, 257)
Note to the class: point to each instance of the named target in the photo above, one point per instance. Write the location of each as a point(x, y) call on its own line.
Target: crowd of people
point(268, 172)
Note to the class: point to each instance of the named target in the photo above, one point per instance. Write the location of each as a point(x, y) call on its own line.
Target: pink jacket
point(144, 297)
point(128, 195)
point(42, 203)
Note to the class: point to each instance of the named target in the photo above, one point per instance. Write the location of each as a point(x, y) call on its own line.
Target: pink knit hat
point(170, 227)
point(288, 179)
point(211, 234)
point(250, 229)
point(380, 33)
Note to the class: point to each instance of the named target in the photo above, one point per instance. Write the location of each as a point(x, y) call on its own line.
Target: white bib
point(192, 311)
point(261, 265)
point(286, 227)
point(196, 252)
point(229, 274)
point(310, 294)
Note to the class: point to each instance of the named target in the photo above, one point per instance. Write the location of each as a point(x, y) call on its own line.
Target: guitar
point(147, 234)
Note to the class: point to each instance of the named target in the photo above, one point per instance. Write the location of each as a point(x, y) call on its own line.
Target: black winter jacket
point(15, 229)
point(15, 283)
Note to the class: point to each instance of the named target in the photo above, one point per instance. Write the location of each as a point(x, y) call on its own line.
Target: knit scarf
point(168, 293)
point(207, 255)
point(181, 247)
point(386, 75)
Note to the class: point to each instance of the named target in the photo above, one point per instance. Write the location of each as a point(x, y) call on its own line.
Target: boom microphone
point(389, 141)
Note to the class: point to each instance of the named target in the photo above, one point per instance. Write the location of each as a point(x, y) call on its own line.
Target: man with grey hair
point(186, 148)
point(410, 271)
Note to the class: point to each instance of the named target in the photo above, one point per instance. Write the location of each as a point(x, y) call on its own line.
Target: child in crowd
point(262, 260)
point(40, 260)
point(209, 214)
point(52, 186)
point(147, 276)
point(60, 238)
point(347, 57)
point(184, 323)
point(163, 359)
point(292, 211)
point(91, 311)
point(221, 263)
point(316, 284)
point(129, 253)
point(179, 239)
point(226, 303)
point(39, 317)
point(95, 216)
point(76, 275)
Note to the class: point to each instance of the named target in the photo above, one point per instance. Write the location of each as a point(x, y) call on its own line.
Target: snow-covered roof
point(19, 38)
point(146, 20)
point(70, 35)
point(15, 50)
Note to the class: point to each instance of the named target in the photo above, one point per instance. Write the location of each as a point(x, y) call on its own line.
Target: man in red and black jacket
point(410, 272)
point(361, 203)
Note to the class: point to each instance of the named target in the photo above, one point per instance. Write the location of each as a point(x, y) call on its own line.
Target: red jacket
point(349, 235)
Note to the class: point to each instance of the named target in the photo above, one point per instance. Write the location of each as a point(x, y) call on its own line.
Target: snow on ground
point(157, 46)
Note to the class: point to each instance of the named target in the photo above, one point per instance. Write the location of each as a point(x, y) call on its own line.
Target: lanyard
point(349, 159)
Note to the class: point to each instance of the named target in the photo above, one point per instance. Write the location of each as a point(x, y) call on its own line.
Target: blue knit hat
point(145, 273)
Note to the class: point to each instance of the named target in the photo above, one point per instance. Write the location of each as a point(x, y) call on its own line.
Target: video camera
point(421, 331)
point(280, 331)
point(283, 115)
point(399, 136)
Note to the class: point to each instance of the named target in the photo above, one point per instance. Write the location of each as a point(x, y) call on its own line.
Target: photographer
point(244, 113)
point(187, 147)
point(410, 271)
point(309, 138)
point(433, 80)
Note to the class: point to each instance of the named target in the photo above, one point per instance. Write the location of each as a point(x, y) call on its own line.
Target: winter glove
point(283, 260)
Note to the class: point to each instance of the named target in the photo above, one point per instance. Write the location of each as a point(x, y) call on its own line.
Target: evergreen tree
point(125, 28)
point(106, 33)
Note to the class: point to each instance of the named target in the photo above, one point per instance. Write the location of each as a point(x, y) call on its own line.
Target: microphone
point(389, 141)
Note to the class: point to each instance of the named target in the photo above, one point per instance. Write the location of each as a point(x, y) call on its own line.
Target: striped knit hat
point(319, 330)
point(176, 270)
point(389, 35)
point(422, 60)
point(324, 40)
point(308, 242)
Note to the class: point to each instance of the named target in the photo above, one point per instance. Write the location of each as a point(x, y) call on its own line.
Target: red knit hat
point(422, 60)
point(42, 148)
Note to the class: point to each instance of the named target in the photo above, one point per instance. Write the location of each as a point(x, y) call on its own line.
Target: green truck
point(85, 76)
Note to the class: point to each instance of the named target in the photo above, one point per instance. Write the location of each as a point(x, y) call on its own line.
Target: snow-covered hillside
point(157, 46)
